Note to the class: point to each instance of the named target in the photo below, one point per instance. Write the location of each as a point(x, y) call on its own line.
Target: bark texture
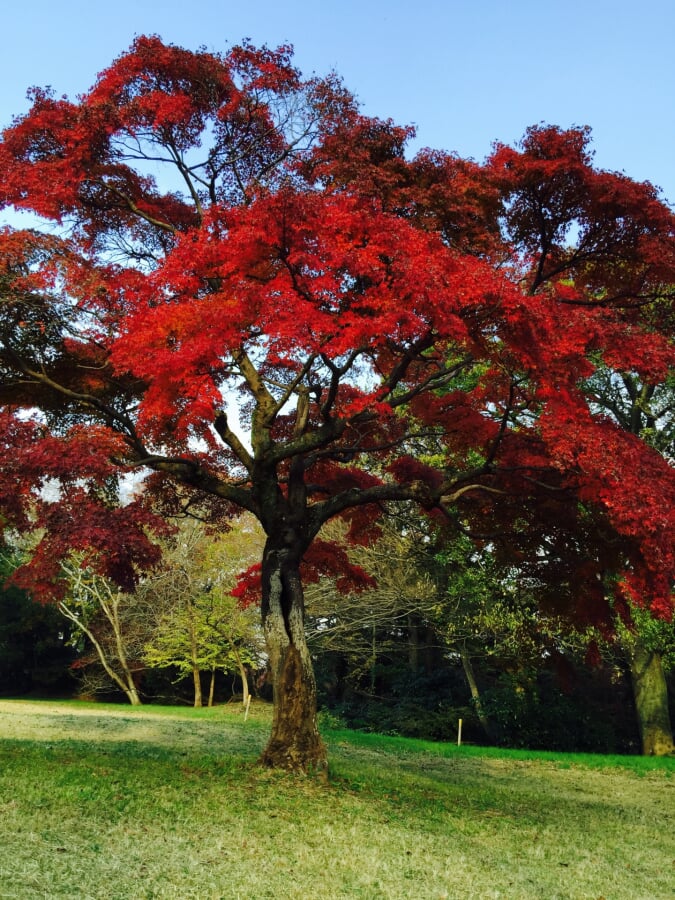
point(197, 682)
point(295, 743)
point(651, 700)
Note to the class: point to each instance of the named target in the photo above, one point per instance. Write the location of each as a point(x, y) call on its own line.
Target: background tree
point(111, 621)
point(376, 617)
point(331, 300)
point(647, 410)
point(546, 196)
point(380, 663)
point(198, 625)
point(534, 669)
point(181, 615)
point(447, 629)
point(647, 645)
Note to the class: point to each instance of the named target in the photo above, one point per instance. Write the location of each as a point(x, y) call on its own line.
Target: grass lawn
point(100, 801)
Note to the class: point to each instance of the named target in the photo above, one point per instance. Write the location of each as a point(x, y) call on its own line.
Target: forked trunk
point(132, 695)
point(295, 743)
point(125, 682)
point(651, 700)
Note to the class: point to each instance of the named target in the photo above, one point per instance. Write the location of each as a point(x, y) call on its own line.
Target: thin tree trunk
point(295, 743)
point(212, 685)
point(651, 700)
point(132, 693)
point(197, 681)
point(194, 656)
point(413, 643)
point(114, 619)
point(467, 665)
point(373, 661)
point(245, 693)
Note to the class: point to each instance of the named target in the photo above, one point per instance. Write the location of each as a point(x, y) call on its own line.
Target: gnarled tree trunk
point(651, 700)
point(295, 743)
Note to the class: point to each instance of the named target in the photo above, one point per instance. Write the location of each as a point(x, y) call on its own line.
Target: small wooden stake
point(459, 734)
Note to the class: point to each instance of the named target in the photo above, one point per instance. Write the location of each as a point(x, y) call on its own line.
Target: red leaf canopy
point(258, 297)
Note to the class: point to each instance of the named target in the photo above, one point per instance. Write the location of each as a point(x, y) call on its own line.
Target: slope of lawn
point(101, 801)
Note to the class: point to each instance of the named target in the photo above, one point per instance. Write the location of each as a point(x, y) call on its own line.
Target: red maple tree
point(259, 302)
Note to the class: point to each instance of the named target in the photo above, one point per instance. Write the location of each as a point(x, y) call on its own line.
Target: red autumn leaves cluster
point(392, 329)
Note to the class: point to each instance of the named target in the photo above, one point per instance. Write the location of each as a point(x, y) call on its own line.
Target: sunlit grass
point(109, 802)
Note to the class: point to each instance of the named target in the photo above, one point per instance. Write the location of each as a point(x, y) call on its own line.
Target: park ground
point(101, 801)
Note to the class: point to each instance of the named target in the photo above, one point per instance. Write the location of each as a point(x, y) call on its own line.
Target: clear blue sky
point(465, 72)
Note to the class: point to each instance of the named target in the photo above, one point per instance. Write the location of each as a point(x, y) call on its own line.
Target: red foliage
point(248, 588)
point(361, 310)
point(324, 559)
point(329, 559)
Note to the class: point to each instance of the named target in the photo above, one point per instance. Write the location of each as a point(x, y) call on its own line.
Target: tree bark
point(651, 700)
point(212, 686)
point(295, 743)
point(467, 665)
point(194, 653)
point(197, 681)
point(113, 614)
point(243, 675)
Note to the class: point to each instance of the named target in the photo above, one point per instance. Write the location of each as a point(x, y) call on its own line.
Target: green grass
point(402, 745)
point(100, 801)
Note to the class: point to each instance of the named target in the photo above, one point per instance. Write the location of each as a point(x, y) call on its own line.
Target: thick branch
point(381, 493)
point(189, 472)
point(228, 437)
point(290, 389)
point(112, 416)
point(264, 402)
point(310, 441)
point(337, 372)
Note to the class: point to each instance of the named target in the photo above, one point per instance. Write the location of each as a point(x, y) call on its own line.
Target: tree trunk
point(112, 612)
point(245, 693)
point(194, 655)
point(197, 681)
point(413, 643)
point(133, 696)
point(295, 743)
point(373, 661)
point(651, 700)
point(212, 686)
point(467, 665)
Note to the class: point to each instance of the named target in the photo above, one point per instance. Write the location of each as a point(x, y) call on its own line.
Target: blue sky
point(465, 72)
